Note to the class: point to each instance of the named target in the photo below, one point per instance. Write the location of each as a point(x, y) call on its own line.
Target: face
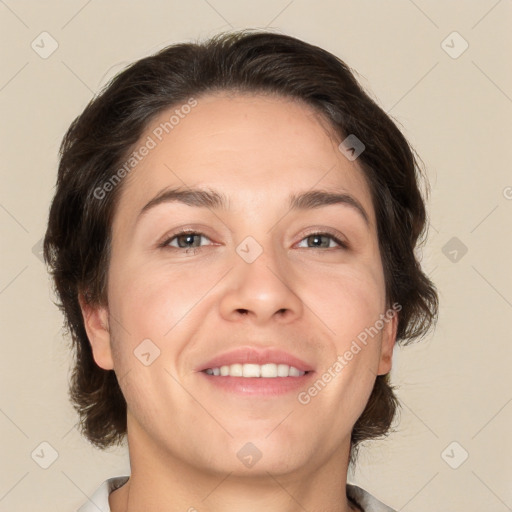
point(258, 280)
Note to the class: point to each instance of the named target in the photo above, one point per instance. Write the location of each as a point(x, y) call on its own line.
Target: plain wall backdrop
point(440, 69)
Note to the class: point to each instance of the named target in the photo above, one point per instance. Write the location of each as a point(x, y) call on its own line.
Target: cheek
point(350, 309)
point(151, 301)
point(347, 301)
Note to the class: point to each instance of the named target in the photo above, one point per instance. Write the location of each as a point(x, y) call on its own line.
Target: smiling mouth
point(248, 370)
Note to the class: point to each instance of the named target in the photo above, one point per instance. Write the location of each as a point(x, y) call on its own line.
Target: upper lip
point(255, 355)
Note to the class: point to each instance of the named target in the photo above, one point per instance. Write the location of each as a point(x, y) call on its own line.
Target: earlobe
point(97, 329)
point(387, 344)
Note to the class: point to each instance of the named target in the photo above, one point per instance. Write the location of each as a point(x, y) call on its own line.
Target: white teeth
point(294, 372)
point(251, 370)
point(235, 370)
point(282, 370)
point(269, 370)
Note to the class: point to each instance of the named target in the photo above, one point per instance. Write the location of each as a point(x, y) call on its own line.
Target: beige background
point(455, 385)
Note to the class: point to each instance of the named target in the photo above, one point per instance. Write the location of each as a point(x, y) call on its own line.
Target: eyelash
point(194, 250)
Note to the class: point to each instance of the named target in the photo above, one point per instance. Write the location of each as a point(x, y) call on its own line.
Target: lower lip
point(259, 386)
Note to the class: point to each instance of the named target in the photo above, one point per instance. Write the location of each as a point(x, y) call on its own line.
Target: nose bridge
point(258, 258)
point(260, 284)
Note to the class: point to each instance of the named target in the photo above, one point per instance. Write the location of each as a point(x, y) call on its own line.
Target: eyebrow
point(207, 198)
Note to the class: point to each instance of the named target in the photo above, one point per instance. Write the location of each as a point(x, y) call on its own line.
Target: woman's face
point(258, 275)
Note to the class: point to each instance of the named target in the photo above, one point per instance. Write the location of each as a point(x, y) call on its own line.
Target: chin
point(262, 465)
point(259, 455)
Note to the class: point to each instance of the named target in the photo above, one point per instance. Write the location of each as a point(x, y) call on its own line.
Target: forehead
point(254, 148)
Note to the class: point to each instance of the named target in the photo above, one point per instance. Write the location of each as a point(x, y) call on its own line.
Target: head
point(255, 117)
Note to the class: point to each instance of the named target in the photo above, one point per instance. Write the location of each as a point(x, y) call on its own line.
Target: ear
point(388, 342)
point(97, 328)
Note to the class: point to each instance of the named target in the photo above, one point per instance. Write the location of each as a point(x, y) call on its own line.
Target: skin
point(183, 433)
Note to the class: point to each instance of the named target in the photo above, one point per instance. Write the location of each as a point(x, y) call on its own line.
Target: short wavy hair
point(78, 237)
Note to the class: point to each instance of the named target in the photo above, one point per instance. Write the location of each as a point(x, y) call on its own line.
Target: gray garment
point(99, 500)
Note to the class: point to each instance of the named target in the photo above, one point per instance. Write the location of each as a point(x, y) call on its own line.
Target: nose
point(261, 290)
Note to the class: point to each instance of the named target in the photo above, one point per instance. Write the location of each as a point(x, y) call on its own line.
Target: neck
point(168, 484)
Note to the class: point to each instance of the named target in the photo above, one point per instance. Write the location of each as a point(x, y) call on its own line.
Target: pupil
point(187, 239)
point(316, 238)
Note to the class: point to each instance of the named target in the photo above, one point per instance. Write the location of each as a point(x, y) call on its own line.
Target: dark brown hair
point(77, 241)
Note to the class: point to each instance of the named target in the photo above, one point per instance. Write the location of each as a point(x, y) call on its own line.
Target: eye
point(184, 240)
point(192, 240)
point(323, 240)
